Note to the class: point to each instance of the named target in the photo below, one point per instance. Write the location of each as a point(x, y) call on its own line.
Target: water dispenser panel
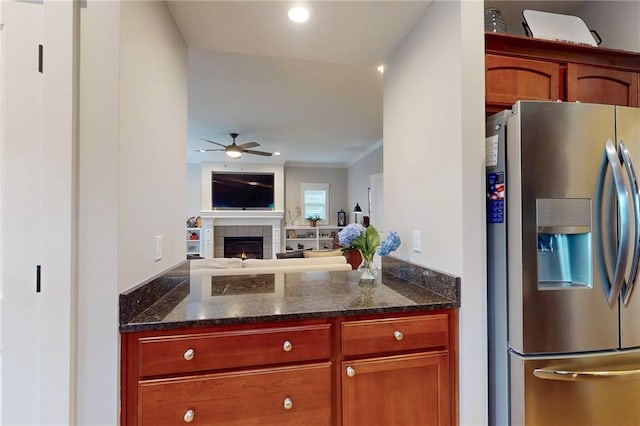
point(564, 243)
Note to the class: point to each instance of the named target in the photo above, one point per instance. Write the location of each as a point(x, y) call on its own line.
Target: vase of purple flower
point(367, 241)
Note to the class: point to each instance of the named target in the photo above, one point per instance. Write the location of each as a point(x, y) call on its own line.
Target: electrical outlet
point(158, 248)
point(417, 242)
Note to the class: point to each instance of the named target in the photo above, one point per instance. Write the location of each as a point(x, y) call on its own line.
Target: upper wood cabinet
point(521, 68)
point(599, 85)
point(509, 79)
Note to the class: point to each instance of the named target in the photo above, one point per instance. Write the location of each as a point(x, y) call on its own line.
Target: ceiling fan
point(236, 151)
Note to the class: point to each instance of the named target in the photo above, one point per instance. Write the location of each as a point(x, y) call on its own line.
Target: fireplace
point(220, 224)
point(244, 247)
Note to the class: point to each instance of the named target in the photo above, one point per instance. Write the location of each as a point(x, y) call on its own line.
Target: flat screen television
point(242, 191)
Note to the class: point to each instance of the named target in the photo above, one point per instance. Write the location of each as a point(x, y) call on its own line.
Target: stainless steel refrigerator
point(563, 233)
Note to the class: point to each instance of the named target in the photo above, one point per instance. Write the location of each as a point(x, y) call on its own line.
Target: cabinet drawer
point(277, 396)
point(395, 334)
point(233, 349)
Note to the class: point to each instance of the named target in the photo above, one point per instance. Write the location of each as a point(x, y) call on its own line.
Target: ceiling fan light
point(234, 153)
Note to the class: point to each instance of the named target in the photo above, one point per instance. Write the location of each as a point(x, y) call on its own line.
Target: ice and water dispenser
point(564, 243)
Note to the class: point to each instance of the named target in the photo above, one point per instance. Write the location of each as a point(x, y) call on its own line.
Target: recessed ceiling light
point(276, 153)
point(298, 14)
point(380, 69)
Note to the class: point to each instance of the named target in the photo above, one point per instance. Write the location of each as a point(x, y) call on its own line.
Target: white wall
point(433, 168)
point(153, 130)
point(358, 175)
point(422, 134)
point(335, 177)
point(2, 127)
point(133, 85)
point(473, 315)
point(97, 328)
point(617, 22)
point(194, 190)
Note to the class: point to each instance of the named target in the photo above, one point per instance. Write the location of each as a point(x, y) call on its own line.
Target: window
point(315, 201)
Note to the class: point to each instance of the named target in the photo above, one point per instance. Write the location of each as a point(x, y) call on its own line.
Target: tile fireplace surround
point(222, 232)
point(233, 223)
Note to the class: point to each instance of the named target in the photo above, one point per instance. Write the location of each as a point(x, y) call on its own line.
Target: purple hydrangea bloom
point(349, 233)
point(391, 243)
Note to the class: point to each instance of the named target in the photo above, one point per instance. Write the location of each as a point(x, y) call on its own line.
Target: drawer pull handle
point(189, 354)
point(351, 372)
point(287, 346)
point(189, 415)
point(398, 335)
point(288, 403)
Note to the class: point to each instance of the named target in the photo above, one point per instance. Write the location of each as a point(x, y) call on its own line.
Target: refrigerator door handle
point(576, 375)
point(613, 287)
point(627, 288)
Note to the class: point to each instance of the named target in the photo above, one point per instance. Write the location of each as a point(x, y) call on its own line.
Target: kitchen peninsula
point(313, 348)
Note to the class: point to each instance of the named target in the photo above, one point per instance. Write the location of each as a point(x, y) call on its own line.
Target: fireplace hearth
point(243, 247)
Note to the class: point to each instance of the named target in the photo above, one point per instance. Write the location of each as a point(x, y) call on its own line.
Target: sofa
point(237, 266)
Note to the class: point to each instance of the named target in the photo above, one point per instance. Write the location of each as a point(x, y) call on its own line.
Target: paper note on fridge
point(491, 151)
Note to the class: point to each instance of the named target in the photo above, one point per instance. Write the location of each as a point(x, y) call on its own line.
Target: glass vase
point(494, 21)
point(368, 271)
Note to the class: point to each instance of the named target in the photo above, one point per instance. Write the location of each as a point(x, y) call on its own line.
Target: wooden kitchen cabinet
point(191, 353)
point(599, 85)
point(295, 372)
point(522, 68)
point(257, 374)
point(397, 371)
point(275, 396)
point(397, 390)
point(510, 79)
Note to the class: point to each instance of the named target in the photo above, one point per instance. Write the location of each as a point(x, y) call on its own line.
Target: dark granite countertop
point(203, 300)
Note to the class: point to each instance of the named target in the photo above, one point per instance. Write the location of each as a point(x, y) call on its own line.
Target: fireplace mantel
point(244, 215)
point(211, 218)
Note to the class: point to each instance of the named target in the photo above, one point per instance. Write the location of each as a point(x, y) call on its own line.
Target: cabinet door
point(407, 390)
point(511, 79)
point(599, 85)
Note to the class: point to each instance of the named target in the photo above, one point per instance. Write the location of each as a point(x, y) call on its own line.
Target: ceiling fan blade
point(248, 145)
point(217, 143)
point(210, 150)
point(250, 151)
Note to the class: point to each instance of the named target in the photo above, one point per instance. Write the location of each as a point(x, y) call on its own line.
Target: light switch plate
point(158, 248)
point(417, 241)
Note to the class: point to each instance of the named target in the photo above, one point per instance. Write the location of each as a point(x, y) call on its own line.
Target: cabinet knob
point(189, 415)
point(288, 403)
point(398, 335)
point(351, 372)
point(189, 354)
point(287, 346)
